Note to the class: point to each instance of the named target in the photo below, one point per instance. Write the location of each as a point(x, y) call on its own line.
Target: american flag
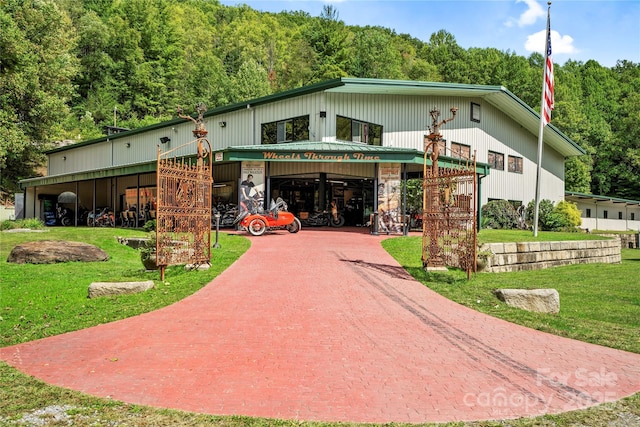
point(547, 103)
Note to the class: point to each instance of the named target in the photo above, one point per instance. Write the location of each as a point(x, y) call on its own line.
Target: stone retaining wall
point(539, 255)
point(627, 241)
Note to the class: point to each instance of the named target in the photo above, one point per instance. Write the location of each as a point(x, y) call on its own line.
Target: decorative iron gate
point(183, 222)
point(449, 232)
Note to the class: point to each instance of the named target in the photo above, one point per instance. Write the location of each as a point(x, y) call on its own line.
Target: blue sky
point(603, 30)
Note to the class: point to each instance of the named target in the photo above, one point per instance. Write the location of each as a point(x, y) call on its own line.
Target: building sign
point(314, 156)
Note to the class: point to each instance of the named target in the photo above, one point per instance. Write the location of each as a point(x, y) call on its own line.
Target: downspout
point(405, 222)
point(479, 201)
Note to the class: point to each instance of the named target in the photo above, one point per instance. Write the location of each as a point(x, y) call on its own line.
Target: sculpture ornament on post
point(432, 257)
point(199, 131)
point(183, 225)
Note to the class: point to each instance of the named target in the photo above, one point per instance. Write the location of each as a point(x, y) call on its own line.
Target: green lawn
point(49, 299)
point(599, 303)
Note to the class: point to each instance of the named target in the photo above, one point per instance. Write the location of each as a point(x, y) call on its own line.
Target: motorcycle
point(64, 216)
point(324, 218)
point(227, 212)
point(101, 217)
point(276, 218)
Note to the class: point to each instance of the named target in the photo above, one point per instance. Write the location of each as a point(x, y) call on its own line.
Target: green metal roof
point(597, 198)
point(497, 96)
point(88, 175)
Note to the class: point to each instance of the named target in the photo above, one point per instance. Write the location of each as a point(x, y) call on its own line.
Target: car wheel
point(257, 227)
point(295, 226)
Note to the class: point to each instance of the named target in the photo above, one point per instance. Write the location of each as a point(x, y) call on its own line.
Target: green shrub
point(571, 212)
point(149, 225)
point(500, 214)
point(6, 225)
point(414, 194)
point(544, 210)
point(565, 216)
point(32, 223)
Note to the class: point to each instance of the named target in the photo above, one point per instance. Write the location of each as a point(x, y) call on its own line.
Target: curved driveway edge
point(335, 330)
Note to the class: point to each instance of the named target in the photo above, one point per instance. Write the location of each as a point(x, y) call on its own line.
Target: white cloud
point(559, 44)
point(529, 16)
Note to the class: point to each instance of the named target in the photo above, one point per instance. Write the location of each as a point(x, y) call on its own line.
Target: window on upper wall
point(496, 160)
point(442, 146)
point(289, 130)
point(619, 215)
point(460, 151)
point(633, 216)
point(475, 112)
point(588, 213)
point(605, 214)
point(356, 131)
point(515, 164)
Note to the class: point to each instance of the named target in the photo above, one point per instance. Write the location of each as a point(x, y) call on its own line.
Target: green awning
point(342, 152)
point(345, 152)
point(88, 175)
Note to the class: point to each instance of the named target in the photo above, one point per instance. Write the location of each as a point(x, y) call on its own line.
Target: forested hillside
point(70, 67)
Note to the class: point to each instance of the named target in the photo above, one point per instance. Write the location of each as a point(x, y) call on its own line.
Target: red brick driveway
point(337, 331)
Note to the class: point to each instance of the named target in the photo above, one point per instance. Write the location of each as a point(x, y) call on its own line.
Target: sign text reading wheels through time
point(313, 156)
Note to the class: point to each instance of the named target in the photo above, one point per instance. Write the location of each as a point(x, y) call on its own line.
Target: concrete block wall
point(627, 241)
point(538, 255)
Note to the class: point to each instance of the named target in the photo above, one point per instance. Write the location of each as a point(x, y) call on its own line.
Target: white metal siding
point(599, 222)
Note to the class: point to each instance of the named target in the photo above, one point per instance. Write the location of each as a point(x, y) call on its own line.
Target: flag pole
point(546, 105)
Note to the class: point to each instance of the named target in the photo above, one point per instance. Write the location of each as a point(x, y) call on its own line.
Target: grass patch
point(599, 303)
point(49, 299)
point(508, 236)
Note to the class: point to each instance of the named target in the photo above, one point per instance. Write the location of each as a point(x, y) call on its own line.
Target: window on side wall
point(496, 160)
point(588, 213)
point(289, 130)
point(442, 146)
point(357, 131)
point(461, 151)
point(515, 164)
point(475, 112)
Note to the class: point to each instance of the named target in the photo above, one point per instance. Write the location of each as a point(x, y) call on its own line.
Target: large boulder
point(102, 289)
point(53, 251)
point(539, 300)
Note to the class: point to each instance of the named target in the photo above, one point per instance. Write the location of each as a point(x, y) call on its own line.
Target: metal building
point(329, 141)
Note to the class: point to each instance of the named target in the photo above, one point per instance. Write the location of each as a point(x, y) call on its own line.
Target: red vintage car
point(275, 219)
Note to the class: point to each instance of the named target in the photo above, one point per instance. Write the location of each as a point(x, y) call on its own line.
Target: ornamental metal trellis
point(183, 221)
point(449, 233)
